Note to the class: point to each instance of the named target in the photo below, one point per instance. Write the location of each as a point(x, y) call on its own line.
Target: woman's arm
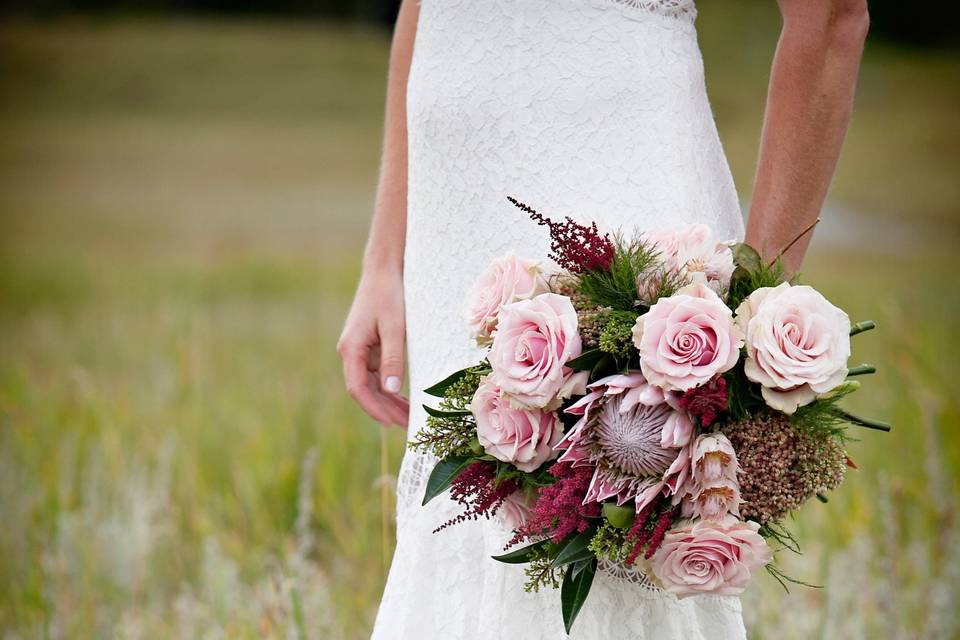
point(808, 108)
point(372, 343)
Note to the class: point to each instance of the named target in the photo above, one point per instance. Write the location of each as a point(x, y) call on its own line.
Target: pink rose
point(687, 339)
point(522, 437)
point(710, 557)
point(535, 339)
point(797, 344)
point(515, 509)
point(506, 280)
point(693, 250)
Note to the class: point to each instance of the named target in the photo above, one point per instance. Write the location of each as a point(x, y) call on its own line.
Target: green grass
point(183, 205)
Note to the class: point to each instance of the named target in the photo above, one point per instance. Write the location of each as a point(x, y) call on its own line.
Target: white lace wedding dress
point(593, 108)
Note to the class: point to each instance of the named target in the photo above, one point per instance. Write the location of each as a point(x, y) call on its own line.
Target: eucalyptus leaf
point(443, 475)
point(574, 591)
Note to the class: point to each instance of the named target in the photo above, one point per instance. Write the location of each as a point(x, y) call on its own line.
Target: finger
point(358, 384)
point(397, 407)
point(390, 367)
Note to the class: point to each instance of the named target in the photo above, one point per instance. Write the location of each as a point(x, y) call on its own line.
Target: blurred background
point(185, 188)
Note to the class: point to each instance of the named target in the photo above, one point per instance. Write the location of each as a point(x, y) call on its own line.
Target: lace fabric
point(682, 9)
point(592, 108)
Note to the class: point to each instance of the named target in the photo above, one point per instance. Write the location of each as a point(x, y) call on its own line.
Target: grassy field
point(183, 204)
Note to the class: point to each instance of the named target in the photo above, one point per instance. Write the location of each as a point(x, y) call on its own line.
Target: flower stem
point(860, 327)
point(864, 422)
point(861, 369)
point(783, 252)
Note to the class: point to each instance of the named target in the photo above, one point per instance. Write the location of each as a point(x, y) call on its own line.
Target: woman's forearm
point(385, 245)
point(809, 102)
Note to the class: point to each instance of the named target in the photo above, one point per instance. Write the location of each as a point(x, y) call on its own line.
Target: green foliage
point(752, 273)
point(574, 549)
point(781, 535)
point(616, 288)
point(523, 555)
point(616, 338)
point(443, 475)
point(743, 397)
point(452, 430)
point(823, 417)
point(611, 543)
point(587, 360)
point(574, 591)
point(540, 572)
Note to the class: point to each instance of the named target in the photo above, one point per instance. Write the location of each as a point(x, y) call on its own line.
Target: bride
point(593, 108)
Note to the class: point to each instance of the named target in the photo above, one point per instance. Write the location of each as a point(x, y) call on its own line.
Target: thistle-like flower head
point(629, 441)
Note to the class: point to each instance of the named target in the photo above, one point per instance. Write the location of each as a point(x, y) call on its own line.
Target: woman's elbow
point(850, 22)
point(830, 23)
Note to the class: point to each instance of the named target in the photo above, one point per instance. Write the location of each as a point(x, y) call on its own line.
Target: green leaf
point(439, 388)
point(619, 516)
point(580, 565)
point(607, 363)
point(476, 447)
point(576, 549)
point(443, 474)
point(586, 360)
point(574, 591)
point(440, 413)
point(522, 555)
point(746, 256)
point(739, 273)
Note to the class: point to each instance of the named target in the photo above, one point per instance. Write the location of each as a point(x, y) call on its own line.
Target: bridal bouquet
point(662, 401)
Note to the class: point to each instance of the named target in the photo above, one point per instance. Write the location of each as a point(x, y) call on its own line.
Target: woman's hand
point(372, 343)
point(371, 347)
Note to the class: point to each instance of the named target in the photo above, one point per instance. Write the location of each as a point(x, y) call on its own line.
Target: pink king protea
point(621, 434)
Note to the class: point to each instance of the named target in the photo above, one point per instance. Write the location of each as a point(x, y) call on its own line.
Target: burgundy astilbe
point(706, 401)
point(559, 509)
point(476, 489)
point(575, 247)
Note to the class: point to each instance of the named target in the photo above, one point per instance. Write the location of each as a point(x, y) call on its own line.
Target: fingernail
point(392, 384)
